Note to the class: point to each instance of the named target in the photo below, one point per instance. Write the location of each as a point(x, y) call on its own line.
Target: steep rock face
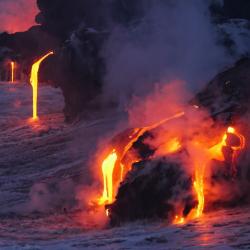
point(82, 28)
point(227, 95)
point(79, 71)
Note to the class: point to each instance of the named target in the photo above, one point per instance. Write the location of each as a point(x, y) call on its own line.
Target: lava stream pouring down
point(200, 160)
point(12, 69)
point(34, 81)
point(107, 170)
point(109, 162)
point(215, 152)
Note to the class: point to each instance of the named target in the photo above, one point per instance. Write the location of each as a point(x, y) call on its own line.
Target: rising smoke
point(173, 40)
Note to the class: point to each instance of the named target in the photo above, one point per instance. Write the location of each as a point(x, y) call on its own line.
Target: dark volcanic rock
point(153, 189)
point(28, 44)
point(80, 69)
point(24, 48)
point(227, 95)
point(233, 9)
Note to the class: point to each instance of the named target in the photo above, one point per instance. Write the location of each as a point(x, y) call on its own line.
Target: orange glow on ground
point(34, 82)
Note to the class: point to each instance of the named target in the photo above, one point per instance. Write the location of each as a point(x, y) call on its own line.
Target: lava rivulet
point(236, 149)
point(215, 152)
point(107, 171)
point(12, 69)
point(34, 81)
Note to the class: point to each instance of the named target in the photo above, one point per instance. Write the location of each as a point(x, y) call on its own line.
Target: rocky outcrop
point(152, 190)
point(227, 95)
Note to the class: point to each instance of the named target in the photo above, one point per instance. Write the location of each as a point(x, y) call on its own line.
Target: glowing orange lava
point(179, 220)
point(200, 158)
point(12, 68)
point(141, 131)
point(107, 171)
point(34, 81)
point(199, 189)
point(216, 153)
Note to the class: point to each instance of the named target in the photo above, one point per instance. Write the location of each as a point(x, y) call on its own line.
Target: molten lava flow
point(199, 189)
point(216, 153)
point(172, 146)
point(178, 220)
point(199, 152)
point(34, 81)
point(110, 161)
point(141, 131)
point(122, 172)
point(216, 150)
point(107, 171)
point(12, 68)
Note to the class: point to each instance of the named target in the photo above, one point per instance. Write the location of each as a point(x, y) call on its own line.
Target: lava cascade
point(34, 81)
point(200, 162)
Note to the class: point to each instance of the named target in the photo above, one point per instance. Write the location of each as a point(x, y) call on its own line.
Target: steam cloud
point(17, 15)
point(173, 40)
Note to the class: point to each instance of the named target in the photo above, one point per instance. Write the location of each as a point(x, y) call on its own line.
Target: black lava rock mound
point(153, 189)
